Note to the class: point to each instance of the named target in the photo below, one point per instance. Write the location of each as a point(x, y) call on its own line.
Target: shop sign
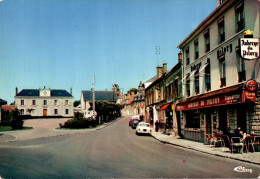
point(223, 99)
point(251, 85)
point(249, 96)
point(221, 52)
point(249, 48)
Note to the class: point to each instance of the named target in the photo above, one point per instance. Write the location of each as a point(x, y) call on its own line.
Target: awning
point(230, 95)
point(164, 107)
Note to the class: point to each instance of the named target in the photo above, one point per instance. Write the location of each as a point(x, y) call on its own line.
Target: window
point(222, 65)
point(22, 102)
point(187, 51)
point(55, 102)
point(176, 88)
point(207, 41)
point(33, 102)
point(197, 82)
point(196, 49)
point(66, 102)
point(207, 76)
point(240, 20)
point(221, 31)
point(188, 85)
point(241, 70)
point(22, 111)
point(56, 111)
point(67, 111)
point(192, 119)
point(44, 102)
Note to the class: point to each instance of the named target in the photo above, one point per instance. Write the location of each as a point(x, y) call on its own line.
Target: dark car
point(134, 123)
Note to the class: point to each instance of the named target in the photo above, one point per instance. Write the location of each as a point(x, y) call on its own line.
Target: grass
point(9, 128)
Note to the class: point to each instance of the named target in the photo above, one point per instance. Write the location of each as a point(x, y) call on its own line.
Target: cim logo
point(243, 169)
point(251, 85)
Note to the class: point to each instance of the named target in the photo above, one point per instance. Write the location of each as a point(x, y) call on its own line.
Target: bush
point(80, 123)
point(13, 119)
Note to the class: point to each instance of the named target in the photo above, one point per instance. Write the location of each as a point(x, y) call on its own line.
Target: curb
point(190, 148)
point(76, 132)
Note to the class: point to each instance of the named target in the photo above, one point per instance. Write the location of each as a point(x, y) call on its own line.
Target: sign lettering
point(249, 48)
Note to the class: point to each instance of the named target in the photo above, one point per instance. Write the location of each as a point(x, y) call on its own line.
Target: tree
point(132, 90)
point(76, 103)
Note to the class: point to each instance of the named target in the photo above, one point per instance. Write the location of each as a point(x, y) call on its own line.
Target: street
point(112, 152)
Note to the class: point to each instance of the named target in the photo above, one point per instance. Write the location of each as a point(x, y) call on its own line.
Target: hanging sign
point(249, 48)
point(251, 85)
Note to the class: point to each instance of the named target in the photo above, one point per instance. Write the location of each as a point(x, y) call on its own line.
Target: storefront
point(216, 111)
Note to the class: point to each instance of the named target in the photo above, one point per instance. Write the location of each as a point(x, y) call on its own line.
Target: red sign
point(223, 99)
point(251, 85)
point(249, 96)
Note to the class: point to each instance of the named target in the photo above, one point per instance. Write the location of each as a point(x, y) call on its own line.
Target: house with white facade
point(44, 102)
point(217, 77)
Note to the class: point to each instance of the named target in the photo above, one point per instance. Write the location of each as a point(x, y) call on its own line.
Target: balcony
point(221, 38)
point(242, 76)
point(240, 25)
point(222, 82)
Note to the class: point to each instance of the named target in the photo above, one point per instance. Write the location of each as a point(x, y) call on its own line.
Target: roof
point(99, 95)
point(36, 93)
point(8, 108)
point(3, 101)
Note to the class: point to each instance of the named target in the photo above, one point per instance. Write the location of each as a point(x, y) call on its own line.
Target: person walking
point(157, 126)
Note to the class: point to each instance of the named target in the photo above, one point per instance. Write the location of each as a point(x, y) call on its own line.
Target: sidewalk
point(250, 157)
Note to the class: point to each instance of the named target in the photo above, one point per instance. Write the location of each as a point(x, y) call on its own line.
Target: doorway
point(222, 113)
point(241, 117)
point(44, 112)
point(208, 123)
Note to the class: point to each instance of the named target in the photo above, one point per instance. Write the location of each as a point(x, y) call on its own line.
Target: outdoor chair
point(236, 143)
point(255, 142)
point(216, 140)
point(208, 139)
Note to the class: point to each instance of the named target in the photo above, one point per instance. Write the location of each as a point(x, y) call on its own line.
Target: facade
point(155, 97)
point(44, 102)
point(135, 103)
point(215, 74)
point(87, 97)
point(173, 94)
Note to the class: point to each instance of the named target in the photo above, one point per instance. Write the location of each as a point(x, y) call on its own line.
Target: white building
point(44, 102)
point(215, 75)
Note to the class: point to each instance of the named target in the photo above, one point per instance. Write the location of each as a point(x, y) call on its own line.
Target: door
point(44, 112)
point(208, 123)
point(241, 117)
point(222, 113)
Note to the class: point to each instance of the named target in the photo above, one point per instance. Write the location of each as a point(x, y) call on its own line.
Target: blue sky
point(62, 44)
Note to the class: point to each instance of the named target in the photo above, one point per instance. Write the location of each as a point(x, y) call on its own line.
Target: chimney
point(159, 72)
point(164, 67)
point(179, 57)
point(16, 91)
point(71, 91)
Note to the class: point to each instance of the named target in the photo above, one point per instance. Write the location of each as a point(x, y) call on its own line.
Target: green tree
point(76, 103)
point(132, 90)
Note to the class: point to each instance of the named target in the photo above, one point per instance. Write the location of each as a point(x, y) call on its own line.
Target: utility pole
point(93, 89)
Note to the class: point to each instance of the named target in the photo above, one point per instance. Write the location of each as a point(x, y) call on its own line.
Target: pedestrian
point(157, 126)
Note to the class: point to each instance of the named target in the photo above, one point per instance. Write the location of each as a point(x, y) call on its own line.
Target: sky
point(63, 44)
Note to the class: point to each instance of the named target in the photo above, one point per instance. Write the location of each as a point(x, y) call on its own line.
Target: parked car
point(132, 118)
point(143, 128)
point(134, 123)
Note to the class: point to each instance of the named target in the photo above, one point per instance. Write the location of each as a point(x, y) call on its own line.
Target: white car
point(143, 128)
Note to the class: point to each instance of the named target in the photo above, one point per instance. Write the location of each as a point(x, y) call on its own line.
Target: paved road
point(114, 151)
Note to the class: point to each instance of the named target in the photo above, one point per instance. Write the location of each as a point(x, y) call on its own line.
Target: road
point(114, 151)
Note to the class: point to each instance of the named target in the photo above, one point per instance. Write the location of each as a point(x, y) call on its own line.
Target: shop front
point(216, 111)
